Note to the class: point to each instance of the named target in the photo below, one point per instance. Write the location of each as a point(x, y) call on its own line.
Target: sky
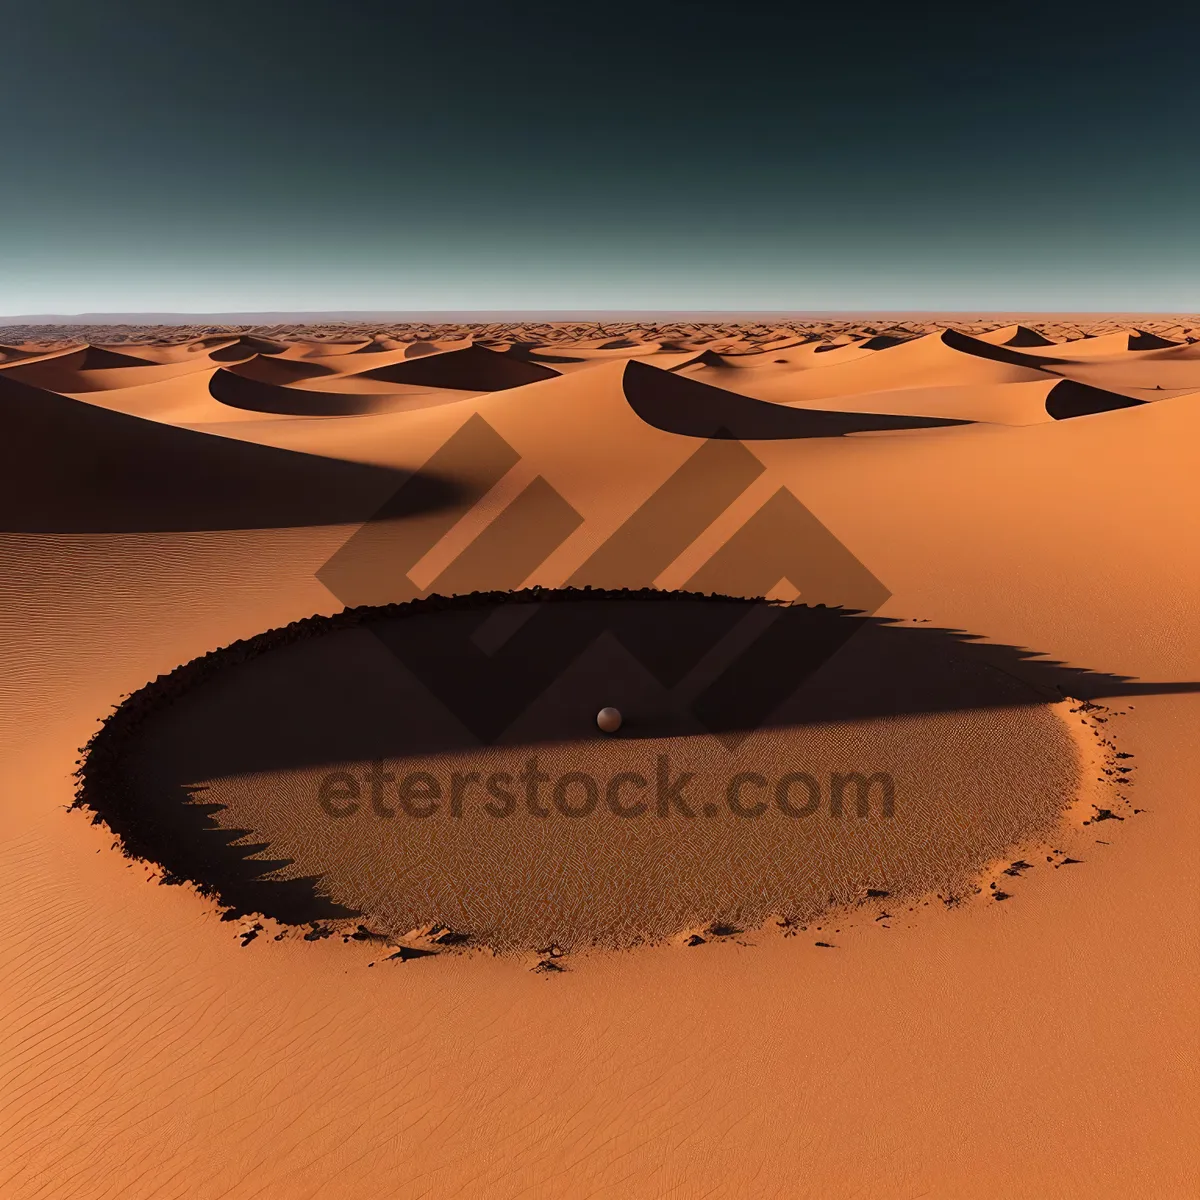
point(679, 156)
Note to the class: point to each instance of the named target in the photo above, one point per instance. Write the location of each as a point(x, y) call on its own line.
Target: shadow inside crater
point(454, 676)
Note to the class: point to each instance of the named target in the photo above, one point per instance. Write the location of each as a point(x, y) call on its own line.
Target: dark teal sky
point(361, 155)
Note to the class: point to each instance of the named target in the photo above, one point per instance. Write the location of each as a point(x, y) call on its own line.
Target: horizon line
point(460, 316)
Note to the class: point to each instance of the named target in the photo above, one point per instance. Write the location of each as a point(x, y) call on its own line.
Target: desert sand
point(228, 972)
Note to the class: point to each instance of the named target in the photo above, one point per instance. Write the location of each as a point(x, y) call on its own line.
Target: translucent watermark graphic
point(386, 792)
point(488, 676)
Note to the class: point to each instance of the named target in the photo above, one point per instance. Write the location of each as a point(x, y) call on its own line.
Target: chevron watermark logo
point(779, 550)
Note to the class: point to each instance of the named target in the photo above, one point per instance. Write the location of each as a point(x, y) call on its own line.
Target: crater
point(438, 763)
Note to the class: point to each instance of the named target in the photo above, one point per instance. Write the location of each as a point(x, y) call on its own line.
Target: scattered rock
point(407, 953)
point(719, 929)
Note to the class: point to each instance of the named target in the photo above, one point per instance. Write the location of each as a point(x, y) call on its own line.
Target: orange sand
point(1043, 1045)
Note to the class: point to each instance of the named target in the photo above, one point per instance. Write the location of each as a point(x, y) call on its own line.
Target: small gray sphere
point(609, 720)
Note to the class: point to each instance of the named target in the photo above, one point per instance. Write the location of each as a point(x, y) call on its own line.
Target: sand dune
point(795, 355)
point(290, 372)
point(999, 403)
point(278, 371)
point(316, 349)
point(254, 344)
point(1141, 339)
point(1014, 335)
point(73, 467)
point(240, 391)
point(424, 346)
point(1173, 370)
point(10, 355)
point(822, 354)
point(1009, 386)
point(1118, 342)
point(473, 369)
point(686, 406)
point(1070, 399)
point(370, 357)
point(182, 352)
point(323, 387)
point(935, 360)
point(622, 1006)
point(618, 348)
point(179, 400)
point(95, 370)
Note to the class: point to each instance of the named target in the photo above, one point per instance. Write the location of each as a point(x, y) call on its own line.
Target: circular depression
point(438, 763)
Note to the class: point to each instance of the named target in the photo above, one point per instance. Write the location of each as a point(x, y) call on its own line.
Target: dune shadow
point(15, 354)
point(246, 347)
point(256, 395)
point(67, 372)
point(471, 369)
point(1008, 353)
point(1068, 399)
point(275, 371)
point(538, 352)
point(1024, 336)
point(71, 467)
point(235, 353)
point(515, 671)
point(676, 404)
point(882, 341)
point(1141, 339)
point(100, 358)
